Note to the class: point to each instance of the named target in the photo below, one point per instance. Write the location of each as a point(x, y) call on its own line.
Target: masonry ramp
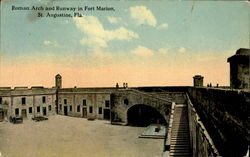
point(179, 142)
point(151, 96)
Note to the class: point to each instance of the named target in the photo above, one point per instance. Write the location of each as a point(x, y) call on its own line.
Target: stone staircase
point(179, 142)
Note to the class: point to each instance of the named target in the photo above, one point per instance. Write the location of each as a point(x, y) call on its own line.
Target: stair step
point(179, 136)
point(179, 140)
point(179, 145)
point(180, 151)
point(179, 154)
point(180, 133)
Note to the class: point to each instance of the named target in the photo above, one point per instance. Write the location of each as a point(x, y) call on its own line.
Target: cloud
point(163, 50)
point(147, 52)
point(113, 20)
point(142, 15)
point(103, 55)
point(95, 34)
point(94, 41)
point(46, 42)
point(182, 50)
point(143, 51)
point(248, 3)
point(162, 26)
point(66, 21)
point(51, 43)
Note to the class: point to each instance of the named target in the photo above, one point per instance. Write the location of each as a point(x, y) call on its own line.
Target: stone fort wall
point(85, 102)
point(39, 101)
point(225, 116)
point(27, 102)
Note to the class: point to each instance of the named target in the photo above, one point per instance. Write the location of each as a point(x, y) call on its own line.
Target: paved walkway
point(63, 136)
point(179, 144)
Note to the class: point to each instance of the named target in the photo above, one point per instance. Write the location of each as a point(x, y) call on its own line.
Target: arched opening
point(143, 115)
point(126, 101)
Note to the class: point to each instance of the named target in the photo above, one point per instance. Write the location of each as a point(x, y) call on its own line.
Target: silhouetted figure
point(117, 85)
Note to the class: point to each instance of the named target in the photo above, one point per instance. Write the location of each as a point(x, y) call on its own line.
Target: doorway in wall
point(1, 115)
point(65, 110)
point(84, 112)
point(106, 114)
point(44, 111)
point(24, 113)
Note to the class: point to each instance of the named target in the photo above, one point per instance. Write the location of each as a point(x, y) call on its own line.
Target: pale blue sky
point(181, 30)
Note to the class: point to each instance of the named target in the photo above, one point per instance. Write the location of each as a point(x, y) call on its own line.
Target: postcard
point(70, 69)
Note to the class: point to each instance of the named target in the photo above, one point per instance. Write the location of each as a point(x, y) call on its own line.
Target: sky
point(143, 43)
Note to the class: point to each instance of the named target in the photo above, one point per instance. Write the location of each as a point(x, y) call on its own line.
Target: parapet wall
point(162, 88)
point(173, 93)
point(224, 114)
point(200, 142)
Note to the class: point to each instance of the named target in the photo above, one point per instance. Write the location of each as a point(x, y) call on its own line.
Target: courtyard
point(62, 136)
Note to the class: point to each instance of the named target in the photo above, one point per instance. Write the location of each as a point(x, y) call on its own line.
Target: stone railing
point(200, 141)
point(168, 137)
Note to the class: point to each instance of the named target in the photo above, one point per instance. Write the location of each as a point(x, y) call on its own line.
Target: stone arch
point(143, 115)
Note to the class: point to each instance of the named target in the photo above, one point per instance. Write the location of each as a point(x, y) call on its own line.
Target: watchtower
point(198, 81)
point(239, 69)
point(58, 81)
